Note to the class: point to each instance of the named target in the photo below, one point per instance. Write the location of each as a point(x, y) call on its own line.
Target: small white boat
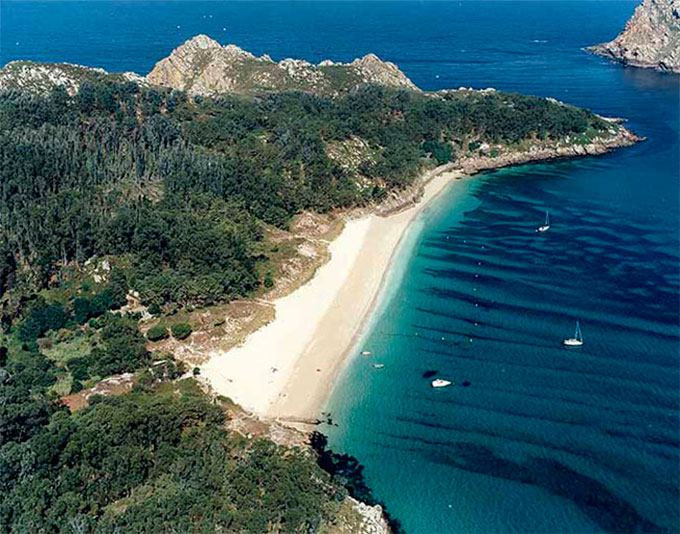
point(378, 365)
point(366, 353)
point(577, 340)
point(546, 226)
point(440, 383)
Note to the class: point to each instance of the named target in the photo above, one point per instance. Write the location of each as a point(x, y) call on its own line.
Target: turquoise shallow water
point(543, 439)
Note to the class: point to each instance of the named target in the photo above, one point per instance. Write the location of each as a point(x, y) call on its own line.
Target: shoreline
point(287, 369)
point(305, 394)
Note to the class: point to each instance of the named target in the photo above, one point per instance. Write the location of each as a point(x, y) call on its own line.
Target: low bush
point(181, 330)
point(157, 333)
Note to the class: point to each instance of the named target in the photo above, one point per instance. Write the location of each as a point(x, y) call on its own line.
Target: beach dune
point(287, 368)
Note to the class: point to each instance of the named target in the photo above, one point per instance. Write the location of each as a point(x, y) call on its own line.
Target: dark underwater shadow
point(594, 499)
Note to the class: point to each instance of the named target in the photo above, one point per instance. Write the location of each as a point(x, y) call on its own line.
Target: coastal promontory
point(650, 39)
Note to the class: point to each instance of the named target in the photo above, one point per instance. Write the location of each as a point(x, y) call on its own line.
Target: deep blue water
point(544, 439)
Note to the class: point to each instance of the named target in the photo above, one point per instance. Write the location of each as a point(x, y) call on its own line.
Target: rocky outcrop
point(569, 148)
point(650, 39)
point(372, 69)
point(40, 78)
point(356, 517)
point(481, 160)
point(372, 518)
point(202, 66)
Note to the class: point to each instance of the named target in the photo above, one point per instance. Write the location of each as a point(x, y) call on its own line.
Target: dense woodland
point(177, 193)
point(155, 460)
point(181, 188)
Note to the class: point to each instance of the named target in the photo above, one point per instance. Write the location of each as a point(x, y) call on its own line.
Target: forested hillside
point(181, 188)
point(155, 460)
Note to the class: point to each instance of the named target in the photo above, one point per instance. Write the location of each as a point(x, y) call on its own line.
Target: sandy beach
point(287, 368)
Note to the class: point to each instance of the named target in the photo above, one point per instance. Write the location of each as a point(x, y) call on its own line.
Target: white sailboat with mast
point(577, 340)
point(546, 226)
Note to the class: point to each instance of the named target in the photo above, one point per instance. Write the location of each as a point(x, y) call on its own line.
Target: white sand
point(287, 368)
point(254, 373)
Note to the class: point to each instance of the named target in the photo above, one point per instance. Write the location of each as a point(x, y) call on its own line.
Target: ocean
point(542, 438)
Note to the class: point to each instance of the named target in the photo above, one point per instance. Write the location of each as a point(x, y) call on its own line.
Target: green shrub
point(378, 193)
point(440, 151)
point(84, 308)
point(181, 330)
point(81, 310)
point(43, 317)
point(156, 333)
point(79, 368)
point(122, 348)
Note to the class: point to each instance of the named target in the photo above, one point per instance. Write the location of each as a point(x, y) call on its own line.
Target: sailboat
point(545, 226)
point(577, 340)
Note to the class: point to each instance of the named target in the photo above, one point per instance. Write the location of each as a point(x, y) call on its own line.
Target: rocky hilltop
point(42, 77)
point(650, 39)
point(203, 66)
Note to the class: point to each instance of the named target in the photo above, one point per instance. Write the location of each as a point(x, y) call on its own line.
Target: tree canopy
point(183, 186)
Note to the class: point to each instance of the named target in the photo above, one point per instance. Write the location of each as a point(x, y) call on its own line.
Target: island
point(185, 259)
point(651, 38)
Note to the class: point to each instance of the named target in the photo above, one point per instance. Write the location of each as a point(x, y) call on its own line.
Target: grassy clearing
point(61, 347)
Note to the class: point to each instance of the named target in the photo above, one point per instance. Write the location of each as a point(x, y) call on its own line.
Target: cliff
point(203, 66)
point(650, 39)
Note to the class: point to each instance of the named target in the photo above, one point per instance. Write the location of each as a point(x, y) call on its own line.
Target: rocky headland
point(202, 66)
point(650, 39)
point(497, 157)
